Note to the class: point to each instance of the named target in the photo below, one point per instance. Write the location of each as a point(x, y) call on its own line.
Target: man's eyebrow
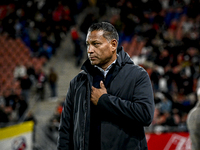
point(92, 41)
point(95, 41)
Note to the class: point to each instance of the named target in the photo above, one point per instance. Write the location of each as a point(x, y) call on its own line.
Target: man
point(110, 101)
point(53, 77)
point(193, 122)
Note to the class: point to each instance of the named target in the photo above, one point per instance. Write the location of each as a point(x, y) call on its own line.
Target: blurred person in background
point(31, 72)
point(31, 117)
point(22, 107)
point(10, 99)
point(193, 123)
point(77, 45)
point(41, 79)
point(53, 78)
point(25, 84)
point(19, 71)
point(46, 51)
point(3, 114)
point(110, 101)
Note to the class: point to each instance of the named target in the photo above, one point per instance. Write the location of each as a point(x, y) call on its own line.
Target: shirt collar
point(105, 72)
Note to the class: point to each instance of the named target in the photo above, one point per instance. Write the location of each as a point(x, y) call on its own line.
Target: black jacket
point(125, 110)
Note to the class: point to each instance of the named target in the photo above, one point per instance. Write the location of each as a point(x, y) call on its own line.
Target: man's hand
point(97, 93)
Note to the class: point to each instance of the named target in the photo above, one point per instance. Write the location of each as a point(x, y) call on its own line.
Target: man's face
point(100, 51)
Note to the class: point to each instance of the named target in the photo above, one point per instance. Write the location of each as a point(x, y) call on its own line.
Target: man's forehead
point(94, 35)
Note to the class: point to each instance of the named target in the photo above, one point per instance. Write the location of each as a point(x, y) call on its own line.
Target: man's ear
point(114, 44)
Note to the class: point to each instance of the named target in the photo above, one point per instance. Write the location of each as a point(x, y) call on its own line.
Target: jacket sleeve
point(65, 129)
point(139, 109)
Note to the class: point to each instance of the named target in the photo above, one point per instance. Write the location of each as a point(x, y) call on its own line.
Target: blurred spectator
point(41, 79)
point(87, 21)
point(46, 51)
point(30, 71)
point(66, 17)
point(57, 13)
point(163, 59)
point(25, 84)
point(30, 117)
point(18, 28)
point(53, 78)
point(19, 71)
point(23, 106)
point(77, 45)
point(10, 99)
point(34, 34)
point(155, 76)
point(165, 106)
point(54, 121)
point(3, 114)
point(2, 101)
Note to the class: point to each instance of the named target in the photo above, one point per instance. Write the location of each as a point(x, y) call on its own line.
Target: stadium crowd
point(162, 36)
point(30, 33)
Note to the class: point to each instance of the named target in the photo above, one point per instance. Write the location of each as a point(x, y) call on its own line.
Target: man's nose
point(90, 49)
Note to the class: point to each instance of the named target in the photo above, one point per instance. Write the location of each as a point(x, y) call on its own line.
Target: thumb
point(101, 84)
